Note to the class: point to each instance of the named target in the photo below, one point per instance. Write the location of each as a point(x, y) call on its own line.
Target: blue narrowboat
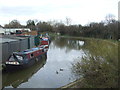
point(28, 57)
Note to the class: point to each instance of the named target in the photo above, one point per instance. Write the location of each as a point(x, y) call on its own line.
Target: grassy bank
point(85, 38)
point(75, 84)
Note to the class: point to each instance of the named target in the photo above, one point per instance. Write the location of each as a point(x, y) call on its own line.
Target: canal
point(61, 66)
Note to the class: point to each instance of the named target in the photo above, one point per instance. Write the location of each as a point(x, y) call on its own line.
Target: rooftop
point(3, 40)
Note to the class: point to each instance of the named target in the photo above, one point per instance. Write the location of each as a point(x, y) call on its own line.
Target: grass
point(86, 38)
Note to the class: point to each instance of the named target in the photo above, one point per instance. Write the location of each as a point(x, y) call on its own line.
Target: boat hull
point(12, 67)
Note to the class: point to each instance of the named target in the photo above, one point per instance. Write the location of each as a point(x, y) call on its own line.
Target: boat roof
point(28, 51)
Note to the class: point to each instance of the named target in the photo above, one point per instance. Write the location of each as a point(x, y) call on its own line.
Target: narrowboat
point(28, 57)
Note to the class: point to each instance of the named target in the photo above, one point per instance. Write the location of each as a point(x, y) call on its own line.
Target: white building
point(1, 30)
point(13, 30)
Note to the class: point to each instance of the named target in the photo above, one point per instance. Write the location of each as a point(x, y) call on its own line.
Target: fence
point(15, 44)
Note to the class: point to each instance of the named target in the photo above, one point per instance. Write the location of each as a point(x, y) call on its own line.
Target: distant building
point(16, 30)
point(1, 30)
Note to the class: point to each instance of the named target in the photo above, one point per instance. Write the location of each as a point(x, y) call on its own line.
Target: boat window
point(19, 57)
point(11, 58)
point(42, 50)
point(32, 55)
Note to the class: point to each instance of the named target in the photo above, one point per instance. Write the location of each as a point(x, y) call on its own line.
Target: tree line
point(107, 29)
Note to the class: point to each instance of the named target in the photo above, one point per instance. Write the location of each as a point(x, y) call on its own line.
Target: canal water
point(58, 69)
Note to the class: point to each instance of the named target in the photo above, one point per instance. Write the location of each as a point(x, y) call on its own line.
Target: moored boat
point(28, 57)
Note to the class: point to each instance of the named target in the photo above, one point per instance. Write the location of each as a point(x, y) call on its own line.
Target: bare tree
point(13, 24)
point(110, 18)
point(68, 21)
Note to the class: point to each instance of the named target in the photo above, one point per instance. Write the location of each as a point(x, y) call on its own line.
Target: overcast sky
point(80, 11)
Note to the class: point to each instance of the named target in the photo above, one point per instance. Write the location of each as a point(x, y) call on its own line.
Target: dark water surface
point(57, 69)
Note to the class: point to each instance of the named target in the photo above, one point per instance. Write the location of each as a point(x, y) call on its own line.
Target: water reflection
point(69, 43)
point(14, 79)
